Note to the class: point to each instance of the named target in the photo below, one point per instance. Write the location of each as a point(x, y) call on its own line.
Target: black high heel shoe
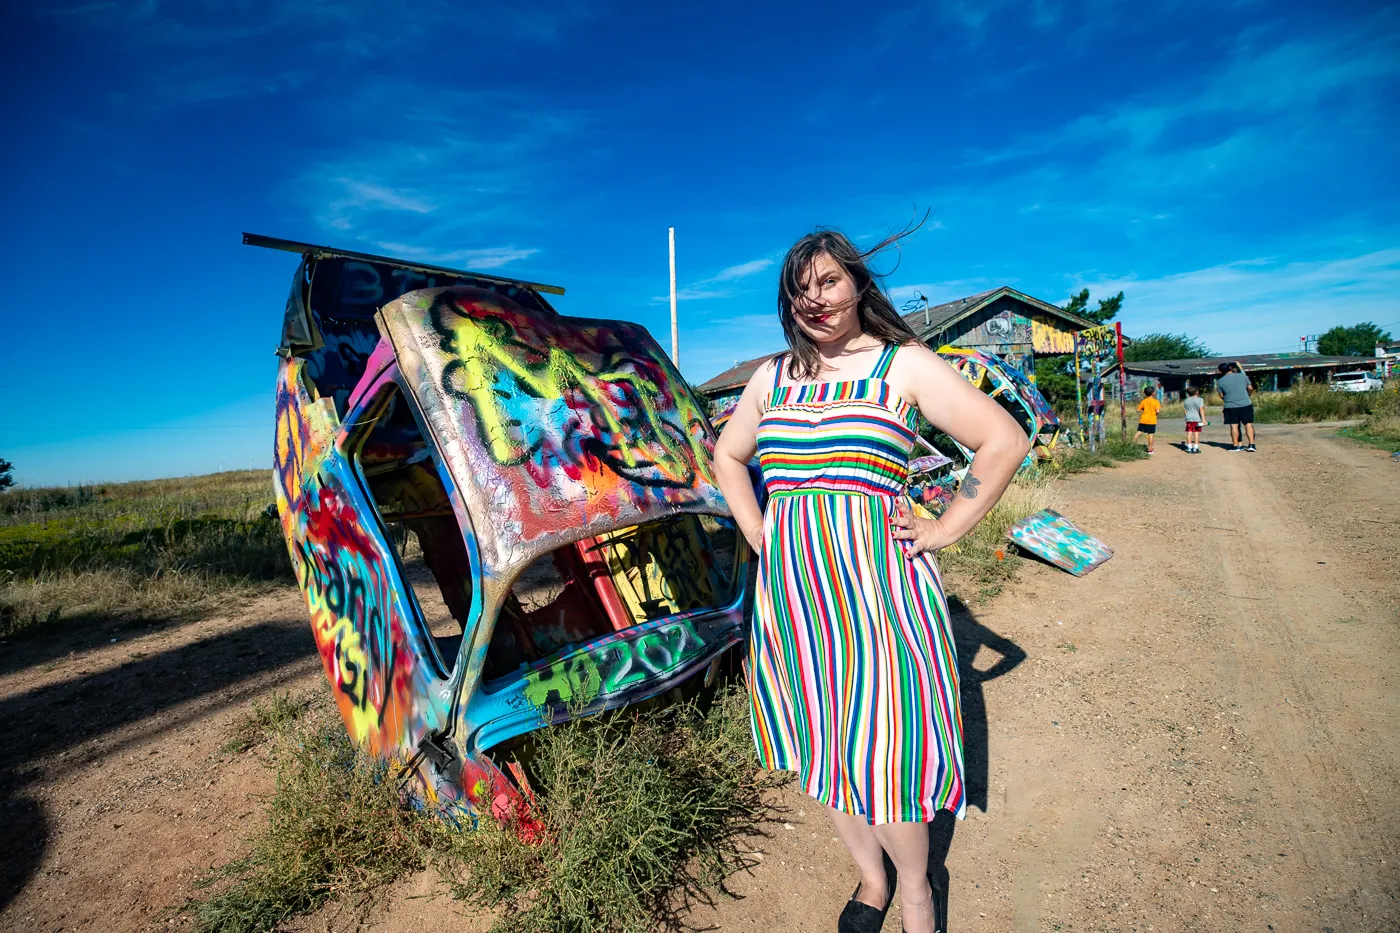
point(862, 918)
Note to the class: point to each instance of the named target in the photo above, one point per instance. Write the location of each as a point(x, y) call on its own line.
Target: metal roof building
point(1272, 371)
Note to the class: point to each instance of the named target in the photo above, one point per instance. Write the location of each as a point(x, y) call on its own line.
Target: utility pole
point(675, 328)
point(1122, 381)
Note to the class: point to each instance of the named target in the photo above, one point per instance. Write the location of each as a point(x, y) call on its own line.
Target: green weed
point(335, 826)
point(1311, 402)
point(641, 810)
point(1382, 426)
point(265, 719)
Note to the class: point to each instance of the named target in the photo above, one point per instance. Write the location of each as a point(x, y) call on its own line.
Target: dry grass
point(27, 602)
point(977, 567)
point(159, 548)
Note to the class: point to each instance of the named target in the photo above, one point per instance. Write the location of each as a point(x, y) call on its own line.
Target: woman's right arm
point(737, 444)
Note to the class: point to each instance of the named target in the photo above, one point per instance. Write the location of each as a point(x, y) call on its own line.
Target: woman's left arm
point(957, 408)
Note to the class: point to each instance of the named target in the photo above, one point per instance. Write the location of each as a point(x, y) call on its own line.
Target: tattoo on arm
point(968, 489)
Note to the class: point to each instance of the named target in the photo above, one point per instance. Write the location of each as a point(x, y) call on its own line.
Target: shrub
point(641, 808)
point(1382, 425)
point(1310, 402)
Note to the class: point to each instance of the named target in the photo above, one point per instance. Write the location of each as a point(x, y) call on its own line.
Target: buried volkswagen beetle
point(500, 517)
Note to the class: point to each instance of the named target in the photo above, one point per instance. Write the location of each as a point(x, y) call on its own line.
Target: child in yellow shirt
point(1147, 417)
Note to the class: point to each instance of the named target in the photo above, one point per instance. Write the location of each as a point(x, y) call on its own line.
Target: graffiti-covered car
point(500, 517)
point(1010, 387)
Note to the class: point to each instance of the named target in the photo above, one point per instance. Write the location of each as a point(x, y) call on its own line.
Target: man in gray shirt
point(1236, 393)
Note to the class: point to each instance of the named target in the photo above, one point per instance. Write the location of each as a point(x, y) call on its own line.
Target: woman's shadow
point(971, 636)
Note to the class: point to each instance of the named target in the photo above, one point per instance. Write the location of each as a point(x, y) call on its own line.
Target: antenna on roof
point(912, 305)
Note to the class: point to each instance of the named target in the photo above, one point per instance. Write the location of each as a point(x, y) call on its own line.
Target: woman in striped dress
point(852, 668)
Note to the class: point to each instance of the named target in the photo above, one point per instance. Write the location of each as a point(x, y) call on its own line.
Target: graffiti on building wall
point(1004, 329)
point(1048, 338)
point(1052, 537)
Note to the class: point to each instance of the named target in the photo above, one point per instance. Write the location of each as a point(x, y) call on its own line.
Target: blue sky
point(1230, 166)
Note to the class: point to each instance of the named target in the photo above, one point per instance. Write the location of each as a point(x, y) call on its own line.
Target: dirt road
point(1202, 735)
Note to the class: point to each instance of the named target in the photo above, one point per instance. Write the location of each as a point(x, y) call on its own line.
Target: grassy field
point(1382, 424)
point(158, 548)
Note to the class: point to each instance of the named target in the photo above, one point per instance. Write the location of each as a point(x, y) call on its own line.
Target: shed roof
point(735, 376)
point(1207, 366)
point(939, 318)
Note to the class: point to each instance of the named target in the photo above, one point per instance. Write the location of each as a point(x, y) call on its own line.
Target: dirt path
point(1203, 734)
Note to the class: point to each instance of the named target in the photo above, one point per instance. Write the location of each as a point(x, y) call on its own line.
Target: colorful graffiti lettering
point(1047, 337)
point(1051, 536)
point(615, 667)
point(564, 425)
point(495, 432)
point(552, 395)
point(662, 568)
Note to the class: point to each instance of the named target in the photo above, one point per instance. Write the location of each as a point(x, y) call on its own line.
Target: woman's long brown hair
point(874, 309)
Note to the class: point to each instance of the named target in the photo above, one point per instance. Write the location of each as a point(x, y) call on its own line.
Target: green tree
point(1164, 347)
point(1107, 310)
point(1356, 340)
point(6, 469)
point(1054, 377)
point(1077, 302)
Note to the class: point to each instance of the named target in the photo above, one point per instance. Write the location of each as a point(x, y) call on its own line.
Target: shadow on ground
point(43, 731)
point(971, 637)
point(49, 641)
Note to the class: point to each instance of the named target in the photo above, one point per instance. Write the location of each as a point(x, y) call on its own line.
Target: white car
point(1356, 382)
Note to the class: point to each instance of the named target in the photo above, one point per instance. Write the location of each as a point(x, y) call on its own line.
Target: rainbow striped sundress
point(852, 667)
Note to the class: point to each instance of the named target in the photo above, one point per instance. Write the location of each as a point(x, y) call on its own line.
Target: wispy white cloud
point(742, 270)
point(445, 167)
point(707, 288)
point(1260, 304)
point(488, 258)
point(1270, 109)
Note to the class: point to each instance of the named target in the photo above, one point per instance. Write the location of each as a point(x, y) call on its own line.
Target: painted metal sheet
point(1051, 536)
point(555, 428)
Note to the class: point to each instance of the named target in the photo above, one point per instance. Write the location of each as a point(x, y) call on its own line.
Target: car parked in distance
point(1360, 381)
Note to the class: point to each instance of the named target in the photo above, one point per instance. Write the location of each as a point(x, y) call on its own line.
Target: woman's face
point(826, 308)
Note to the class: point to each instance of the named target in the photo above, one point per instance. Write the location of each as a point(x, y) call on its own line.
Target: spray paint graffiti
point(1009, 386)
point(1051, 536)
point(1047, 338)
point(494, 431)
point(584, 424)
point(1094, 351)
point(627, 667)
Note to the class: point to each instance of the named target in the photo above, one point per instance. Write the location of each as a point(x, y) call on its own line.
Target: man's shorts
point(1193, 427)
point(1242, 415)
point(1147, 428)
